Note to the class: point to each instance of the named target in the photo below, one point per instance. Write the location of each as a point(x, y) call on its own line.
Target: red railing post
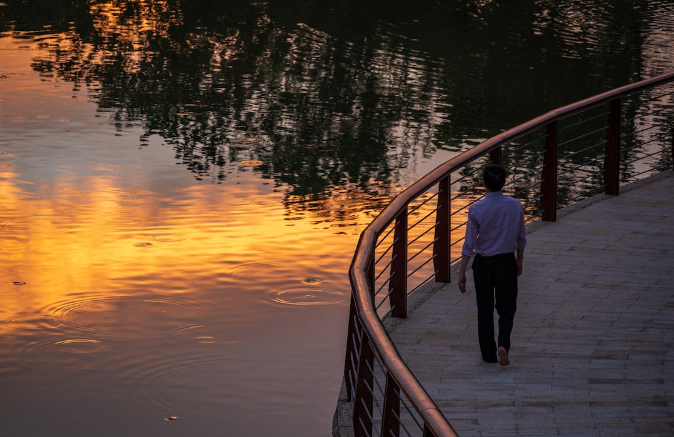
point(364, 400)
point(390, 425)
point(612, 154)
point(673, 148)
point(371, 272)
point(398, 283)
point(495, 156)
point(549, 174)
point(351, 347)
point(443, 227)
point(428, 432)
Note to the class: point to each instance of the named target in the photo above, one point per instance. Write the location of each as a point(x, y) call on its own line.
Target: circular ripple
point(272, 275)
point(27, 322)
point(307, 297)
point(202, 334)
point(127, 316)
point(80, 345)
point(82, 354)
point(167, 238)
point(216, 387)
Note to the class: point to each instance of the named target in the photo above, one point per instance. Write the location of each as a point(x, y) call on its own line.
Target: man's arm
point(462, 273)
point(520, 258)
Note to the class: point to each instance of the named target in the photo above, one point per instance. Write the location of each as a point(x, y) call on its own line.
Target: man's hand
point(520, 259)
point(462, 273)
point(462, 281)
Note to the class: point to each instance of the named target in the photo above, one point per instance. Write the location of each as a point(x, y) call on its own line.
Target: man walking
point(494, 233)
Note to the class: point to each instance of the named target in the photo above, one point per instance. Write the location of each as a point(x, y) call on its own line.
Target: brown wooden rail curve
point(369, 325)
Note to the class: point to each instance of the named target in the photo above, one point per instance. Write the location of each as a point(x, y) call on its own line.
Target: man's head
point(494, 177)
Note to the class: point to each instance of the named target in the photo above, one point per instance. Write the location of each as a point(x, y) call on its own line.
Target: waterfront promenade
point(592, 346)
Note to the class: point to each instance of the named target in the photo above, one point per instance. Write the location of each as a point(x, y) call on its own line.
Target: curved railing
point(569, 153)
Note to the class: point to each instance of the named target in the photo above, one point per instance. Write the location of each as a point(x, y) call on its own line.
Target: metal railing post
point(398, 283)
point(442, 246)
point(612, 154)
point(351, 346)
point(390, 425)
point(428, 432)
point(673, 148)
point(549, 174)
point(371, 275)
point(364, 400)
point(495, 156)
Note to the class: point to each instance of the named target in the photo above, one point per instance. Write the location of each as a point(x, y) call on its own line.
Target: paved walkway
point(592, 347)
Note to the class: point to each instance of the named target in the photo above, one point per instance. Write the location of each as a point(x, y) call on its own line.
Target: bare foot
point(503, 356)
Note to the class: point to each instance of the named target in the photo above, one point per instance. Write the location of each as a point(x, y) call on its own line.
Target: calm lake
point(183, 185)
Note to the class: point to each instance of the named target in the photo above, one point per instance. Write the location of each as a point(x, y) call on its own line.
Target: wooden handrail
point(361, 270)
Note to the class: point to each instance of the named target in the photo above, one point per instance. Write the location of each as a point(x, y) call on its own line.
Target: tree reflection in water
point(349, 99)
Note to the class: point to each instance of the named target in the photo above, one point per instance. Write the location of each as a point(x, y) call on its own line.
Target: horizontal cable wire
point(384, 298)
point(424, 233)
point(467, 206)
point(353, 389)
point(583, 195)
point(561, 187)
point(626, 149)
point(386, 267)
point(647, 155)
point(641, 102)
point(470, 173)
point(388, 313)
point(526, 188)
point(385, 282)
point(578, 167)
point(601, 143)
point(457, 227)
point(640, 173)
point(650, 114)
point(360, 338)
point(582, 136)
point(424, 282)
point(652, 126)
point(356, 355)
point(375, 379)
point(424, 202)
point(528, 158)
point(458, 258)
point(604, 114)
point(417, 269)
point(360, 419)
point(387, 234)
point(509, 152)
point(535, 170)
point(457, 241)
point(401, 423)
point(413, 416)
point(386, 251)
point(384, 270)
point(421, 220)
point(420, 251)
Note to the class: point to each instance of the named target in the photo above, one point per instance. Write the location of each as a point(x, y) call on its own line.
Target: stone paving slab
point(592, 347)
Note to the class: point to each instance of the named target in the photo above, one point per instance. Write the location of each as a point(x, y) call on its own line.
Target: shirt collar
point(493, 193)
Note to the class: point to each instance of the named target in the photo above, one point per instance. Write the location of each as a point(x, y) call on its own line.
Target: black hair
point(494, 177)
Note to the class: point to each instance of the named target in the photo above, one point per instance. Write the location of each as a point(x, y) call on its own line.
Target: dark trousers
point(495, 279)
